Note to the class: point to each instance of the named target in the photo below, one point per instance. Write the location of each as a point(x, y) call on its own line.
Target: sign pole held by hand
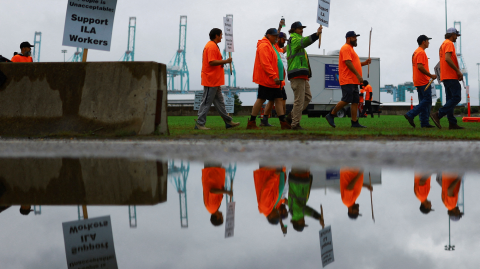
point(371, 198)
point(85, 54)
point(428, 85)
point(323, 15)
point(369, 46)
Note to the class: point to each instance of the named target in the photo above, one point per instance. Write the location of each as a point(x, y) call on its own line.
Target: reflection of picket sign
point(323, 13)
point(326, 246)
point(230, 104)
point(198, 100)
point(89, 243)
point(230, 223)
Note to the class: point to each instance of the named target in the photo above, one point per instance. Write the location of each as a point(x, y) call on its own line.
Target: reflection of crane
point(461, 206)
point(178, 175)
point(37, 209)
point(230, 172)
point(132, 214)
point(227, 66)
point(37, 46)
point(132, 29)
point(178, 65)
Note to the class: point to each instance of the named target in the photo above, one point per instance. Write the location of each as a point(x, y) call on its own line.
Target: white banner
point(89, 243)
point(228, 33)
point(230, 223)
point(89, 24)
point(323, 13)
point(326, 246)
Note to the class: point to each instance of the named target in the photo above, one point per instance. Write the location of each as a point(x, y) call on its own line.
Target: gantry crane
point(37, 46)
point(178, 175)
point(178, 65)
point(132, 29)
point(77, 56)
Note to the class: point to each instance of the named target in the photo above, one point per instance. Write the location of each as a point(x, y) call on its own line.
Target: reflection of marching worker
point(299, 71)
point(450, 75)
point(268, 74)
point(450, 189)
point(421, 188)
point(351, 183)
point(368, 99)
point(350, 72)
point(213, 77)
point(269, 186)
point(421, 79)
point(360, 103)
point(25, 54)
point(299, 186)
point(213, 182)
point(280, 46)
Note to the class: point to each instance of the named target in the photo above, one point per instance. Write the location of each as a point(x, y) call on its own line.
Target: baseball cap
point(351, 34)
point(26, 45)
point(297, 24)
point(282, 35)
point(422, 38)
point(271, 31)
point(453, 31)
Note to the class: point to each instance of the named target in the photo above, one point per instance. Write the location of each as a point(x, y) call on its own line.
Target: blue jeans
point(424, 106)
point(453, 92)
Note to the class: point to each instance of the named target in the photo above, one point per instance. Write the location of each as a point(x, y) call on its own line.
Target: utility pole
point(478, 77)
point(64, 51)
point(446, 23)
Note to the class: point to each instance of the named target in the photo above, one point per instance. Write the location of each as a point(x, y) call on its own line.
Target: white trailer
point(324, 94)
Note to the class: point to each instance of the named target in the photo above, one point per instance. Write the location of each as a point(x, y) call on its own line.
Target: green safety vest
point(297, 58)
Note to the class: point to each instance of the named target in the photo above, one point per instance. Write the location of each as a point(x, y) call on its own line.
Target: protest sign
point(230, 223)
point(323, 13)
point(326, 246)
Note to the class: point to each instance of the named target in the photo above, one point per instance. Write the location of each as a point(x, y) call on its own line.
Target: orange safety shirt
point(446, 72)
point(212, 76)
point(420, 57)
point(450, 202)
point(22, 59)
point(212, 178)
point(267, 182)
point(281, 50)
point(421, 191)
point(362, 91)
point(265, 69)
point(347, 53)
point(346, 176)
point(368, 93)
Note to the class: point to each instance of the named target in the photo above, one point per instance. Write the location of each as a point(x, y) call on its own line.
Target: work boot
point(454, 126)
point(355, 124)
point(264, 122)
point(285, 125)
point(436, 119)
point(330, 120)
point(200, 127)
point(298, 128)
point(289, 118)
point(252, 125)
point(410, 120)
point(231, 124)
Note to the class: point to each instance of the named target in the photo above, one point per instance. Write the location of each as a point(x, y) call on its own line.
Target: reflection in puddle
point(372, 213)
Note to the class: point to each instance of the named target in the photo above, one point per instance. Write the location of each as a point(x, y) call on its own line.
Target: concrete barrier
point(64, 181)
point(102, 97)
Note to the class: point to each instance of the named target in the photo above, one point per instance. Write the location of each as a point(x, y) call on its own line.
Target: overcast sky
point(396, 26)
point(401, 237)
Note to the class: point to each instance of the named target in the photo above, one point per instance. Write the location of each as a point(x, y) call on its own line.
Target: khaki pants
point(302, 97)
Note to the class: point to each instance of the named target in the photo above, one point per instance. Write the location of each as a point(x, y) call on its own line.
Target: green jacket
point(297, 58)
point(298, 194)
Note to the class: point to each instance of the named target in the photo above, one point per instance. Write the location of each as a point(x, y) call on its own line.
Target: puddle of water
point(174, 227)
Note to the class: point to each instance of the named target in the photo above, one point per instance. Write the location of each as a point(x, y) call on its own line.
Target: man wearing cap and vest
point(213, 183)
point(421, 188)
point(299, 187)
point(268, 74)
point(450, 75)
point(350, 73)
point(213, 77)
point(368, 98)
point(25, 55)
point(421, 78)
point(351, 183)
point(280, 46)
point(450, 188)
point(299, 71)
point(269, 187)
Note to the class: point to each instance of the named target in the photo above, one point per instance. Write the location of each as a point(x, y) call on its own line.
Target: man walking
point(268, 74)
point(421, 78)
point(213, 77)
point(299, 71)
point(25, 55)
point(368, 99)
point(351, 183)
point(450, 75)
point(350, 73)
point(421, 188)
